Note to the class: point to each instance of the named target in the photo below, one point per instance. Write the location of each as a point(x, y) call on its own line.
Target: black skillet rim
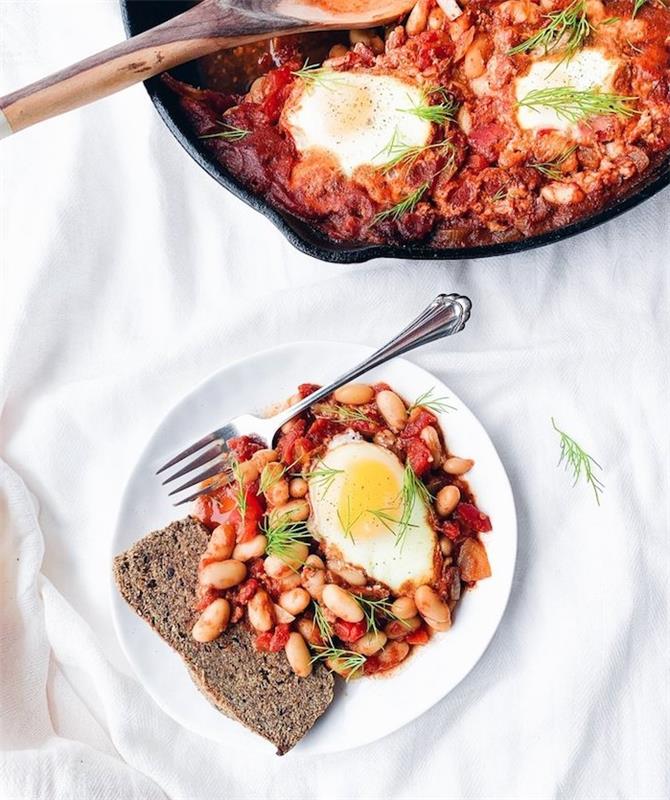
point(309, 241)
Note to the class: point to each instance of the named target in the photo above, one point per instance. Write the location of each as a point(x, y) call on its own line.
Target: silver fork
point(446, 315)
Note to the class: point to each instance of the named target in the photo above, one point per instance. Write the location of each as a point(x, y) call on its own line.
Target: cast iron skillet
point(138, 15)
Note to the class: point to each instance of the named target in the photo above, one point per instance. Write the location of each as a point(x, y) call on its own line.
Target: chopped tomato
point(414, 427)
point(305, 389)
point(322, 429)
point(350, 631)
point(243, 447)
point(302, 447)
point(287, 441)
point(273, 641)
point(450, 530)
point(381, 387)
point(213, 509)
point(276, 90)
point(418, 456)
point(208, 597)
point(419, 636)
point(372, 665)
point(246, 591)
point(257, 569)
point(473, 517)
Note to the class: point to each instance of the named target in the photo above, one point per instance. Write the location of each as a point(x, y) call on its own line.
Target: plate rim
point(117, 602)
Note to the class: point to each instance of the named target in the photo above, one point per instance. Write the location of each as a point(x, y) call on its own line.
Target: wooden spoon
point(209, 26)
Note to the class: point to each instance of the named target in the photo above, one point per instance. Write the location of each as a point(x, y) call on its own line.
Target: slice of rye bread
point(156, 576)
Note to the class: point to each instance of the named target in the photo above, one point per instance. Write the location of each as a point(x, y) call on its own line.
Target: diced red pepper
point(372, 665)
point(419, 636)
point(255, 507)
point(418, 456)
point(414, 427)
point(350, 631)
point(471, 516)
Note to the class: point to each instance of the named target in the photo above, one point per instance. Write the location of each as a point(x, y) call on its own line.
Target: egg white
point(369, 477)
point(589, 68)
point(353, 116)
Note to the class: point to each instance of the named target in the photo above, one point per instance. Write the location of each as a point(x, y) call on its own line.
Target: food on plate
point(342, 549)
point(466, 123)
point(258, 689)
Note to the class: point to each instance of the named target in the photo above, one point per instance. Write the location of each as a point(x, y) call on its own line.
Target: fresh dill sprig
point(230, 134)
point(387, 520)
point(322, 624)
point(500, 195)
point(579, 462)
point(323, 476)
point(350, 662)
point(427, 400)
point(240, 491)
point(283, 534)
point(314, 74)
point(400, 154)
point(439, 113)
point(574, 105)
point(372, 607)
point(413, 490)
point(341, 413)
point(637, 6)
point(552, 169)
point(348, 523)
point(567, 29)
point(270, 476)
point(406, 205)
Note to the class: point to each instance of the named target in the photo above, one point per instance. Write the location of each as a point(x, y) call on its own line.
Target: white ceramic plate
point(363, 710)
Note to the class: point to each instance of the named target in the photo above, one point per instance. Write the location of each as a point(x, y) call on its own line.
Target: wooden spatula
point(209, 26)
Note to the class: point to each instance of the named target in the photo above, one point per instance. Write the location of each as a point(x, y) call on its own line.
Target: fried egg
point(352, 117)
point(587, 69)
point(355, 492)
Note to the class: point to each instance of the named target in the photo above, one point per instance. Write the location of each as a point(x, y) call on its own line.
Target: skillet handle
point(209, 26)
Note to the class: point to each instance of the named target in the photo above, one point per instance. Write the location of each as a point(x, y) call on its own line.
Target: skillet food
point(466, 124)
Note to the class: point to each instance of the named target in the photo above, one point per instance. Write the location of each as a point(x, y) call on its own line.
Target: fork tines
point(218, 453)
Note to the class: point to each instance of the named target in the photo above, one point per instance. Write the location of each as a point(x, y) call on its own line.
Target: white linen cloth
point(128, 275)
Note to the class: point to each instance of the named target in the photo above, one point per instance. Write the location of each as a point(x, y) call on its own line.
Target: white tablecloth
point(128, 275)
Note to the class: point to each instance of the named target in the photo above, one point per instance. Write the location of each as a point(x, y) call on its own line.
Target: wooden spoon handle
point(205, 28)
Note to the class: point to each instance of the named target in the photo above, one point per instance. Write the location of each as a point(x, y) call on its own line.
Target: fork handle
point(446, 315)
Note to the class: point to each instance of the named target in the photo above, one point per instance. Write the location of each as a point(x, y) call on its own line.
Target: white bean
point(298, 487)
point(298, 655)
point(223, 574)
point(275, 567)
point(458, 466)
point(369, 643)
point(221, 543)
point(393, 653)
point(392, 408)
point(342, 603)
point(293, 511)
point(432, 609)
point(254, 548)
point(354, 394)
point(447, 499)
point(263, 457)
point(432, 440)
point(261, 611)
point(213, 621)
point(295, 601)
point(418, 18)
point(351, 575)
point(446, 546)
point(310, 631)
point(282, 615)
point(398, 628)
point(403, 608)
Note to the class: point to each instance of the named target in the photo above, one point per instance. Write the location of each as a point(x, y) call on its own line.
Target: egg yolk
point(370, 500)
